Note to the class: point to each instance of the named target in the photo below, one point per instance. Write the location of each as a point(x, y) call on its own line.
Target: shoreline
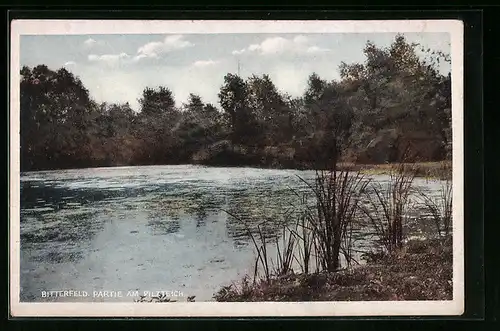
point(434, 169)
point(421, 271)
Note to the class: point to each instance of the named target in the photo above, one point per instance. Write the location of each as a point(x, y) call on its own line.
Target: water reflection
point(200, 217)
point(140, 226)
point(163, 227)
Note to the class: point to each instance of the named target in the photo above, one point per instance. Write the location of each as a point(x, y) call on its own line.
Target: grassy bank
point(421, 271)
point(434, 170)
point(437, 170)
point(225, 154)
point(431, 170)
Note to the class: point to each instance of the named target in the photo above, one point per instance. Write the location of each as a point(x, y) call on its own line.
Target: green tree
point(198, 127)
point(117, 136)
point(195, 104)
point(271, 111)
point(157, 118)
point(397, 89)
point(331, 120)
point(233, 97)
point(56, 113)
point(156, 101)
point(315, 87)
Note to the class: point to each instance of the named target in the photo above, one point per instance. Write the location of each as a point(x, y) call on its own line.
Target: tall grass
point(319, 235)
point(323, 232)
point(440, 209)
point(306, 243)
point(285, 245)
point(285, 252)
point(260, 245)
point(388, 204)
point(337, 199)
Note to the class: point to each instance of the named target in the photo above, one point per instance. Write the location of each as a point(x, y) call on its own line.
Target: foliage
point(397, 89)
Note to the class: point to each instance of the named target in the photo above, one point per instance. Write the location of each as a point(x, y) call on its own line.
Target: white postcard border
point(216, 309)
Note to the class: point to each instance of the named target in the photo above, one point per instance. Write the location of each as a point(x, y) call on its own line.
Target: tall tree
point(270, 110)
point(119, 144)
point(157, 118)
point(195, 104)
point(315, 87)
point(55, 114)
point(233, 97)
point(199, 125)
point(399, 90)
point(156, 101)
point(331, 118)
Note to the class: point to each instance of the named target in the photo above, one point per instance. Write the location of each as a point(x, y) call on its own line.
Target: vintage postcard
point(236, 168)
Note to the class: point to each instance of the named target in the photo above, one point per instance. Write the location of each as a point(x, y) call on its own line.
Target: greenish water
point(154, 228)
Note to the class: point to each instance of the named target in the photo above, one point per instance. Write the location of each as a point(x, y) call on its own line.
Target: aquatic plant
point(388, 204)
point(337, 199)
point(440, 208)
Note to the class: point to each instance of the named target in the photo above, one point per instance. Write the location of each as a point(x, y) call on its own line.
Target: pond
point(150, 228)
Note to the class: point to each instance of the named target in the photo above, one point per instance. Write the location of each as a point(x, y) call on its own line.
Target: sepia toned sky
point(116, 68)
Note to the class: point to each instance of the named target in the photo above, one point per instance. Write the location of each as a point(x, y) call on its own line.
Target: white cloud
point(238, 52)
point(206, 63)
point(150, 50)
point(90, 42)
point(69, 63)
point(300, 39)
point(316, 49)
point(279, 45)
point(156, 48)
point(273, 45)
point(108, 58)
point(138, 57)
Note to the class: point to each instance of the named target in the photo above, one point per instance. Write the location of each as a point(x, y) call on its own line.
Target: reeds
point(388, 206)
point(319, 235)
point(337, 199)
point(261, 240)
point(306, 243)
point(323, 230)
point(285, 253)
point(440, 209)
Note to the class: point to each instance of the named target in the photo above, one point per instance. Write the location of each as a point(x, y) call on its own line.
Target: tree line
point(396, 97)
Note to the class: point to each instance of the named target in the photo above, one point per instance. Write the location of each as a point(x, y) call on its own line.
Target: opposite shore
point(431, 170)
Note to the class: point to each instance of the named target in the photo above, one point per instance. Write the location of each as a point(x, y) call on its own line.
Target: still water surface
point(153, 228)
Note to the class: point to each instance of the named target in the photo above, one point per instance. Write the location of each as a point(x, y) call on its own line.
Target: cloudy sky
point(116, 68)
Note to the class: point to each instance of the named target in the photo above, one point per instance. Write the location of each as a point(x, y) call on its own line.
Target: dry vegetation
point(422, 271)
point(397, 269)
point(437, 170)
